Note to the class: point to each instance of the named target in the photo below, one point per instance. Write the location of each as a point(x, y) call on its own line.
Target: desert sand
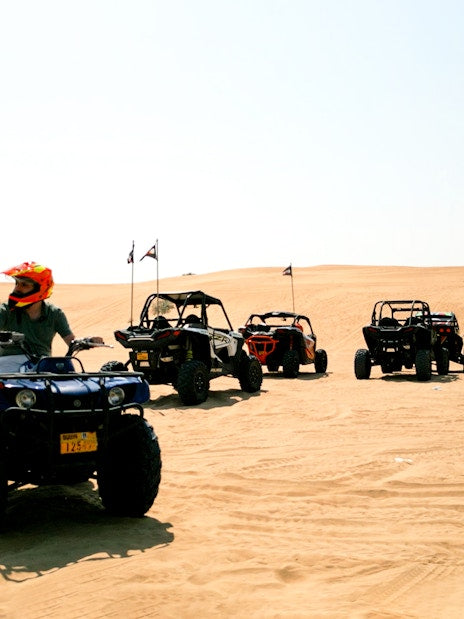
point(320, 496)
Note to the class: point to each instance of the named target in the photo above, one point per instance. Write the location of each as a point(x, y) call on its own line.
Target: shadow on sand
point(216, 399)
point(301, 376)
point(51, 527)
point(398, 378)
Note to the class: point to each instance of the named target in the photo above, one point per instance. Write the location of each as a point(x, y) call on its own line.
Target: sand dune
point(321, 496)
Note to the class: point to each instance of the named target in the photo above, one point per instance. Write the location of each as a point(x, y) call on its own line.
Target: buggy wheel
point(193, 382)
point(423, 364)
point(291, 364)
point(129, 469)
point(320, 361)
point(250, 373)
point(442, 359)
point(113, 366)
point(362, 364)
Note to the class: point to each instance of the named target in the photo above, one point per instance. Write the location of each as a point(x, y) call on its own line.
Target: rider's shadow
point(49, 528)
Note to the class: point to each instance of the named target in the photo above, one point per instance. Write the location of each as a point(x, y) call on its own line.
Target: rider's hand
point(96, 339)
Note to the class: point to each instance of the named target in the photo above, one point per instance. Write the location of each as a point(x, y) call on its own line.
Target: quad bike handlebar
point(84, 343)
point(14, 338)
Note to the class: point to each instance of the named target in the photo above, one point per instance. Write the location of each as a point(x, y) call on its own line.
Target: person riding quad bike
point(28, 311)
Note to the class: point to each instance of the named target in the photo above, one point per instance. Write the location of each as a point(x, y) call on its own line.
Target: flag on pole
point(288, 271)
point(151, 253)
point(130, 257)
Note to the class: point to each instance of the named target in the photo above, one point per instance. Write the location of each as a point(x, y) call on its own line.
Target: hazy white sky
point(238, 133)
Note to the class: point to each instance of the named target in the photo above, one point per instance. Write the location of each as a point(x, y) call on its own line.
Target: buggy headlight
point(25, 398)
point(116, 396)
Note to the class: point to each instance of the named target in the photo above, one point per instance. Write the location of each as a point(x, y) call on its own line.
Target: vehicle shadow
point(216, 399)
point(448, 378)
point(52, 527)
point(301, 376)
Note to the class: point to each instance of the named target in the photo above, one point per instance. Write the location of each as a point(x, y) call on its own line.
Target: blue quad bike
point(62, 425)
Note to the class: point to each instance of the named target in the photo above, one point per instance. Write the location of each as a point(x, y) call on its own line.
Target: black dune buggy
point(446, 327)
point(62, 425)
point(283, 339)
point(176, 343)
point(401, 335)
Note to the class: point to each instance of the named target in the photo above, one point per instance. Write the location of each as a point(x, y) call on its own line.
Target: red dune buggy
point(283, 339)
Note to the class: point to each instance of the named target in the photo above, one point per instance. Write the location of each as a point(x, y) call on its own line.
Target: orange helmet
point(38, 275)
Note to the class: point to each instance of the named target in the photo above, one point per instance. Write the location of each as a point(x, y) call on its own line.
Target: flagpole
point(132, 284)
point(289, 271)
point(293, 295)
point(157, 278)
point(153, 253)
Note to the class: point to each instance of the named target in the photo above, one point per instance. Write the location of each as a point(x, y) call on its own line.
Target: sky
point(232, 133)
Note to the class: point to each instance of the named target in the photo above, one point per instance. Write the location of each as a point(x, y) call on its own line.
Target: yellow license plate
point(78, 442)
point(142, 356)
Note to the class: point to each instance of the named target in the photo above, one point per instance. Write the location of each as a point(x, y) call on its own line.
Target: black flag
point(151, 253)
point(287, 271)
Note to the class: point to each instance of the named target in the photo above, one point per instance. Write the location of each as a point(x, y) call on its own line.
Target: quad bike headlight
point(116, 396)
point(25, 398)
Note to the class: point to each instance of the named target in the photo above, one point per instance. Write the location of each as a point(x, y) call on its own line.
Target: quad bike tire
point(320, 361)
point(291, 364)
point(423, 364)
point(442, 360)
point(192, 382)
point(362, 364)
point(250, 373)
point(129, 469)
point(113, 366)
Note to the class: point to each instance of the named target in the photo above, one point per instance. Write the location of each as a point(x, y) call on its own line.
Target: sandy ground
point(320, 496)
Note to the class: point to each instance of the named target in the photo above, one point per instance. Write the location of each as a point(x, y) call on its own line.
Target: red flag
point(288, 271)
point(151, 253)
